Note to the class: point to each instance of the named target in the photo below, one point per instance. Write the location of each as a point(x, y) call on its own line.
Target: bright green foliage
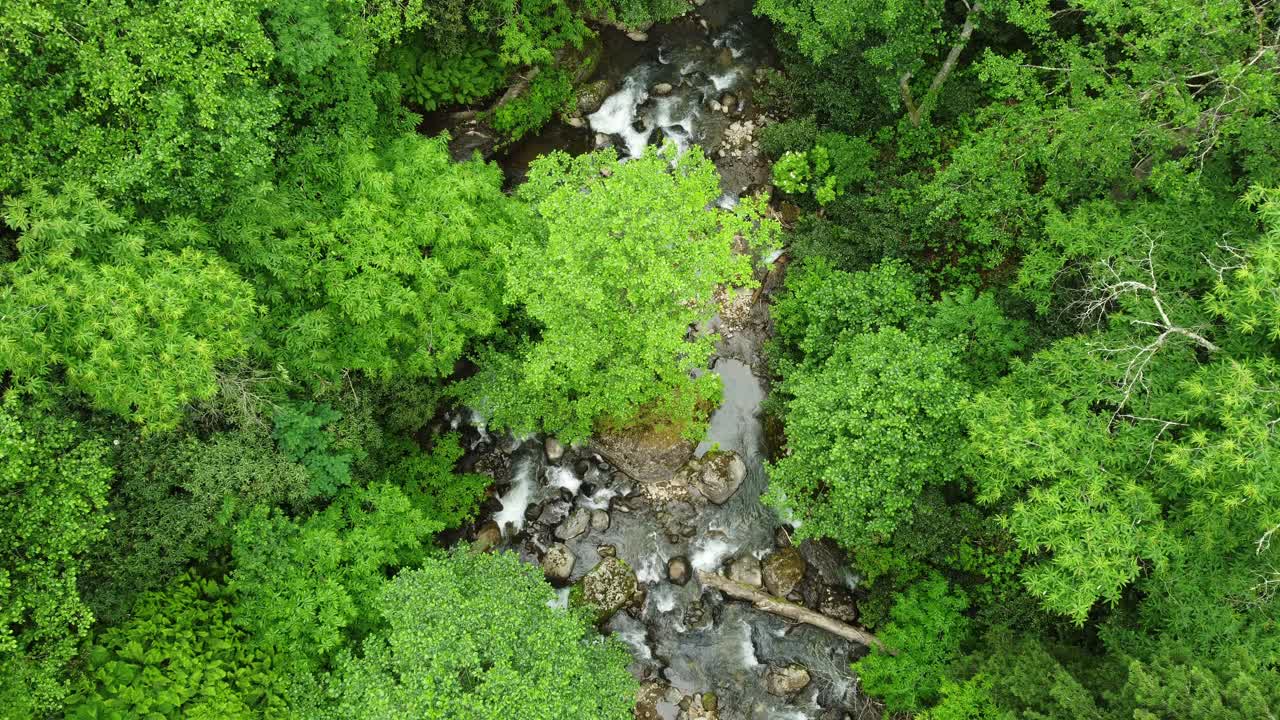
point(926, 630)
point(181, 655)
point(827, 169)
point(158, 103)
point(136, 317)
point(301, 435)
point(472, 636)
point(615, 285)
point(53, 486)
point(823, 305)
point(1247, 297)
point(301, 585)
point(866, 432)
point(1086, 507)
point(431, 485)
point(968, 701)
point(399, 278)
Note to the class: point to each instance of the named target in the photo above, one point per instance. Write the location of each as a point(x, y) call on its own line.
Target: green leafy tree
point(866, 432)
point(136, 317)
point(180, 655)
point(474, 636)
point(395, 279)
point(613, 287)
point(301, 435)
point(53, 486)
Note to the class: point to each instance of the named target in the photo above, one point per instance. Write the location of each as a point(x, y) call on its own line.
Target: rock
point(637, 36)
point(725, 57)
point(786, 681)
point(710, 702)
point(718, 475)
point(558, 562)
point(783, 570)
point(591, 96)
point(576, 122)
point(729, 102)
point(575, 524)
point(652, 702)
point(602, 140)
point(662, 89)
point(746, 569)
point(716, 106)
point(488, 537)
point(678, 570)
point(610, 586)
point(599, 520)
point(838, 603)
point(554, 449)
point(606, 551)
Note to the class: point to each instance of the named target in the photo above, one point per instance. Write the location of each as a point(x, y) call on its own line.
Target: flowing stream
point(690, 83)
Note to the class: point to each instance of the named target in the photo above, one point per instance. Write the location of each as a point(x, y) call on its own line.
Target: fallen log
point(787, 609)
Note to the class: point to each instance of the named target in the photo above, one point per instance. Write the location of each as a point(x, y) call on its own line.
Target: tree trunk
point(787, 609)
point(916, 113)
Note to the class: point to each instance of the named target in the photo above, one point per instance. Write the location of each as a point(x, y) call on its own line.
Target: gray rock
point(599, 520)
point(717, 475)
point(729, 101)
point(783, 570)
point(838, 603)
point(558, 563)
point(746, 569)
point(591, 96)
point(637, 36)
point(554, 449)
point(678, 570)
point(662, 89)
point(575, 524)
point(786, 681)
point(610, 586)
point(576, 122)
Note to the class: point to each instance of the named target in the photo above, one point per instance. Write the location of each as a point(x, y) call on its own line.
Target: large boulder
point(574, 525)
point(716, 475)
point(553, 448)
point(746, 570)
point(558, 562)
point(783, 570)
point(591, 96)
point(786, 681)
point(610, 586)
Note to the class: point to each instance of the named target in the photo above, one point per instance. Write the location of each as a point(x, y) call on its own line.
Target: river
point(699, 654)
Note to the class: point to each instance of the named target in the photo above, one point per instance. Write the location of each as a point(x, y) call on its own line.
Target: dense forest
point(1020, 261)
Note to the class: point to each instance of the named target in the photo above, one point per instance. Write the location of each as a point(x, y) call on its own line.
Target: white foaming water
point(516, 499)
point(710, 554)
point(649, 572)
point(617, 115)
point(563, 477)
point(725, 80)
point(664, 598)
point(634, 636)
point(749, 658)
point(600, 501)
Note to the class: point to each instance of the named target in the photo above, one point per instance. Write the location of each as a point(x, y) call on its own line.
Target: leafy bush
point(181, 656)
point(300, 432)
point(550, 92)
point(834, 163)
point(308, 586)
point(798, 135)
point(926, 631)
point(431, 485)
point(53, 486)
point(473, 636)
point(433, 80)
